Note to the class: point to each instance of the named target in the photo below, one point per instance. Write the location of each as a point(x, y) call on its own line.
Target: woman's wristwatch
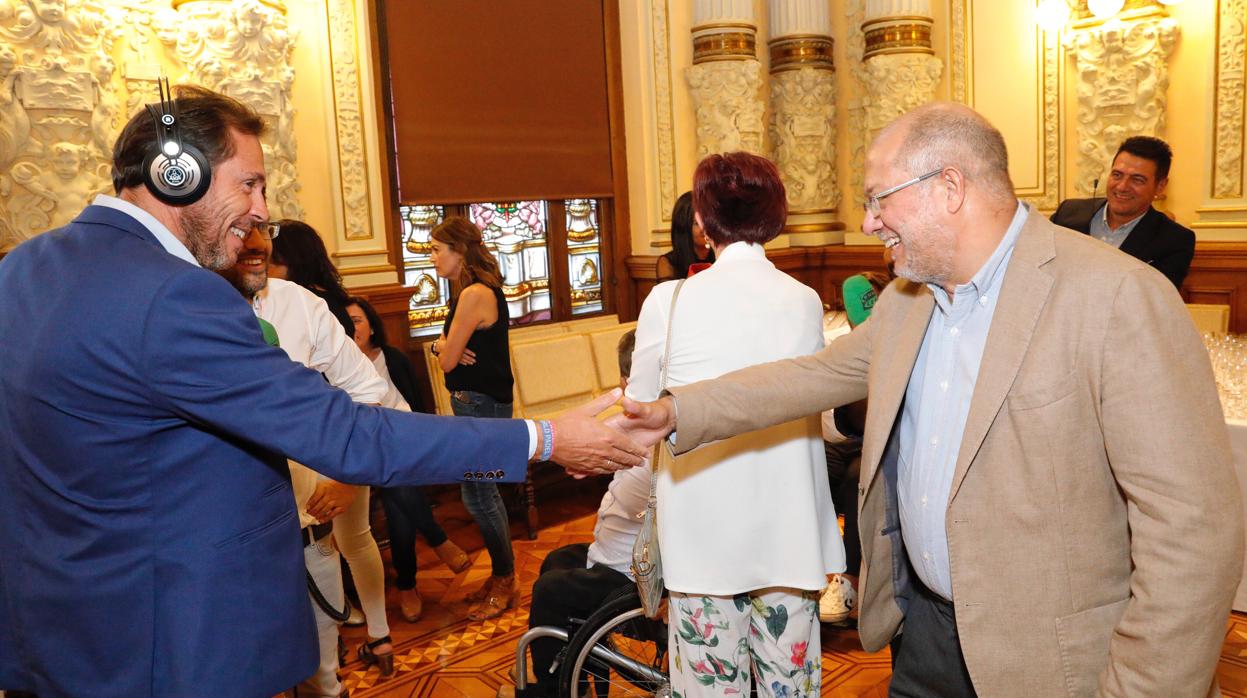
point(434, 349)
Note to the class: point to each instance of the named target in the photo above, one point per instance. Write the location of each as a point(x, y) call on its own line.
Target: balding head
point(946, 134)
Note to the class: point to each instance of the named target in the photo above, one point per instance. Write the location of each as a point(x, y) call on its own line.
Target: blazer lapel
point(892, 362)
point(1138, 243)
point(1023, 294)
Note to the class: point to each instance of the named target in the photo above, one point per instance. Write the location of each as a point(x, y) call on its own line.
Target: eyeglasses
point(269, 230)
point(871, 205)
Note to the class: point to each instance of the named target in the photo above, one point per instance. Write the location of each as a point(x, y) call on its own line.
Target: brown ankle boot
point(504, 592)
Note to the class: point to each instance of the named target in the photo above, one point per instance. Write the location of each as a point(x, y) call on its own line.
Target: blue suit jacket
point(148, 542)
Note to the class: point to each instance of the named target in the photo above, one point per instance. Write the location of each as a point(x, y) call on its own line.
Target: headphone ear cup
point(178, 181)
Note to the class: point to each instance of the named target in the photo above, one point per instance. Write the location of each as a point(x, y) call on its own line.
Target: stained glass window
point(584, 259)
point(431, 300)
point(516, 233)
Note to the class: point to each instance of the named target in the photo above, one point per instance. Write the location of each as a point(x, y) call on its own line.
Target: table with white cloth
point(1238, 443)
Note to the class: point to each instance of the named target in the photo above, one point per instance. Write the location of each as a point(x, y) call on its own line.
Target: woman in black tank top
point(475, 356)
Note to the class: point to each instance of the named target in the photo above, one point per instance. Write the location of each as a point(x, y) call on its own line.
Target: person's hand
point(468, 358)
point(646, 423)
point(585, 446)
point(330, 499)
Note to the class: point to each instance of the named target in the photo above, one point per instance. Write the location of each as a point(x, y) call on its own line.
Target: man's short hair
point(205, 119)
point(1149, 148)
point(626, 344)
point(947, 135)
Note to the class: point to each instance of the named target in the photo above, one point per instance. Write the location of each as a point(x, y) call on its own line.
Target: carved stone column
point(1123, 75)
point(901, 68)
point(803, 125)
point(725, 79)
point(243, 49)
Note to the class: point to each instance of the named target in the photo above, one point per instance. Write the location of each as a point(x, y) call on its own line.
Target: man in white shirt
point(312, 336)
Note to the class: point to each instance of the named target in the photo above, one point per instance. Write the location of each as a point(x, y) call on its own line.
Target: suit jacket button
point(861, 491)
point(500, 473)
point(480, 476)
point(489, 474)
point(467, 475)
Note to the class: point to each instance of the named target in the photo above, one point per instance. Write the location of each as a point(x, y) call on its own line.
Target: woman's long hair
point(682, 252)
point(479, 266)
point(300, 249)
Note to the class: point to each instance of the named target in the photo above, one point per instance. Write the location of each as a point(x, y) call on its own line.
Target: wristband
point(433, 349)
point(547, 439)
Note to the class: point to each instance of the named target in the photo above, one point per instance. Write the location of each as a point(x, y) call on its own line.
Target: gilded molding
point(728, 46)
point(960, 51)
point(1123, 77)
point(793, 52)
point(664, 122)
point(803, 131)
point(348, 114)
point(855, 49)
point(1048, 197)
point(728, 106)
point(1227, 172)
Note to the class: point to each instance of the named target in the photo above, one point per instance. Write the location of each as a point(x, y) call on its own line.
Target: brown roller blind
point(498, 100)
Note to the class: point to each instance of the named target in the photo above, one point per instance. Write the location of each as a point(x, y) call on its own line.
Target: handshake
point(586, 445)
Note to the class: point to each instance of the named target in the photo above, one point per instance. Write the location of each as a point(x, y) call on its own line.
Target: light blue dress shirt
point(1101, 231)
point(937, 402)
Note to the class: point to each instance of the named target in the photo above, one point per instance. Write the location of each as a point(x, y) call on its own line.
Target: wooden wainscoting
point(1219, 276)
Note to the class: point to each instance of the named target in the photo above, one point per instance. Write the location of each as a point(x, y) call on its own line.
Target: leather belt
point(315, 532)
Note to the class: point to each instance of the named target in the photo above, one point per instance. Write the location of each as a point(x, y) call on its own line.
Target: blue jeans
point(482, 499)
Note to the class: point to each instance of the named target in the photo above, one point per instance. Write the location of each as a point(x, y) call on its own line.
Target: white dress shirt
point(312, 336)
point(618, 521)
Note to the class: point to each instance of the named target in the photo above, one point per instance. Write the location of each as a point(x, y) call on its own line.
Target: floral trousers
point(719, 644)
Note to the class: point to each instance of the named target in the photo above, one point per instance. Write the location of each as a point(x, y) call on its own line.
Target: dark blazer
point(403, 376)
point(148, 542)
point(1156, 239)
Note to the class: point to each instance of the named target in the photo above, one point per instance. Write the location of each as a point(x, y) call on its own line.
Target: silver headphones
point(175, 172)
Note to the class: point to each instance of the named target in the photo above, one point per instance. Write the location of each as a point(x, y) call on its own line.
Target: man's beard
point(930, 260)
point(209, 248)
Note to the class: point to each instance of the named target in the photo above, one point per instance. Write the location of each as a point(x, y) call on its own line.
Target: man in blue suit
point(148, 546)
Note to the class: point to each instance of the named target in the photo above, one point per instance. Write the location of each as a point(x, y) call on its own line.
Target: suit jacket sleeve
point(206, 360)
point(1175, 261)
point(774, 393)
point(1166, 442)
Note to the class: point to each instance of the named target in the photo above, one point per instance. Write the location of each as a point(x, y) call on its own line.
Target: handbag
point(646, 557)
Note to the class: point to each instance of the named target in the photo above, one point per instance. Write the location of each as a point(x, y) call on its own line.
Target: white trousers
point(768, 637)
point(353, 533)
point(323, 563)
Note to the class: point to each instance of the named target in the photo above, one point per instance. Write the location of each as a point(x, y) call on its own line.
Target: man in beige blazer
point(1091, 531)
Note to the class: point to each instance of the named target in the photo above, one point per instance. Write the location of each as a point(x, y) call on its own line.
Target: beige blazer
point(1094, 528)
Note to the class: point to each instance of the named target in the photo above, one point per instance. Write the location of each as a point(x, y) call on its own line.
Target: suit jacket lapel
point(891, 365)
point(1139, 242)
point(1022, 297)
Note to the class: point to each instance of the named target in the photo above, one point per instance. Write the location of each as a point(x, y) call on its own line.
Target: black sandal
point(384, 662)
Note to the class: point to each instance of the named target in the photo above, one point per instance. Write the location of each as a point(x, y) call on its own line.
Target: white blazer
point(753, 511)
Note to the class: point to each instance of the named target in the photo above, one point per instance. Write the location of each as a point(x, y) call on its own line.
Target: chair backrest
point(553, 374)
point(605, 344)
point(1209, 317)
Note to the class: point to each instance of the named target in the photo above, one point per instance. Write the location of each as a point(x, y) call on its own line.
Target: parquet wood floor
point(443, 655)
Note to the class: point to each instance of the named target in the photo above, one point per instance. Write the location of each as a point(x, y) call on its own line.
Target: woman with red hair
point(747, 528)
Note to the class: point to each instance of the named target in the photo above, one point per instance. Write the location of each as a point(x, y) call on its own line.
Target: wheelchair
point(616, 651)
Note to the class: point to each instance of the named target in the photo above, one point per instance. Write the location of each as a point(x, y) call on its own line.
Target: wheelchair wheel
point(617, 652)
